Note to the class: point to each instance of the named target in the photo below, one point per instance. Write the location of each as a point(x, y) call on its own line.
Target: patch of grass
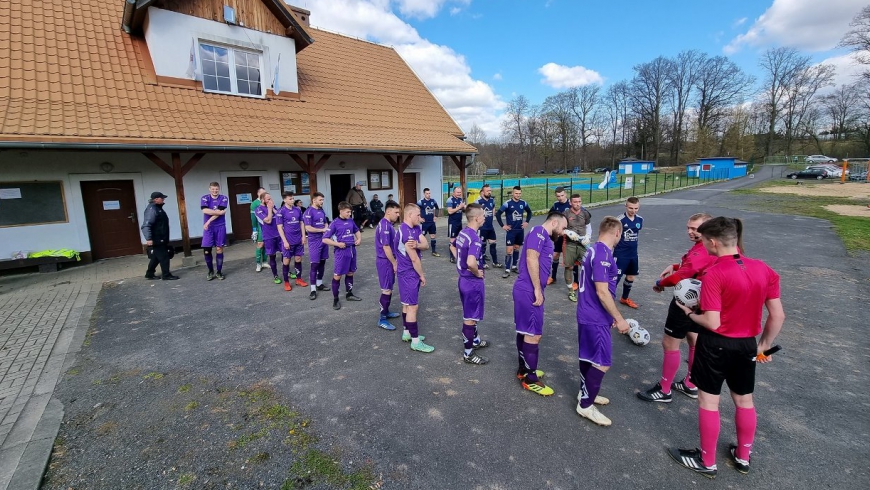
point(260, 458)
point(73, 372)
point(107, 428)
point(184, 388)
point(191, 406)
point(246, 439)
point(153, 375)
point(315, 467)
point(185, 479)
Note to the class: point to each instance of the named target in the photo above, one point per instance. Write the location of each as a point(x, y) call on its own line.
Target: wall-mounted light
point(107, 167)
point(342, 164)
point(243, 165)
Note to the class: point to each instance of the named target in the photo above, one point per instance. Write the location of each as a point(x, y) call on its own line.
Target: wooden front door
point(410, 190)
point(242, 191)
point(112, 218)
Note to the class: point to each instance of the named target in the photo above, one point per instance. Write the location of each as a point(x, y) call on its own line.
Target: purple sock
point(520, 343)
point(208, 260)
point(590, 385)
point(348, 283)
point(320, 268)
point(286, 271)
point(530, 356)
point(412, 328)
point(385, 305)
point(468, 337)
point(298, 269)
point(312, 275)
point(220, 261)
point(335, 283)
point(273, 265)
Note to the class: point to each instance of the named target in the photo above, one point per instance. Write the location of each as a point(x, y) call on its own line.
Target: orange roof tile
point(85, 82)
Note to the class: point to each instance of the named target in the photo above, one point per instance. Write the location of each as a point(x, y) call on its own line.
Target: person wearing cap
point(357, 198)
point(155, 229)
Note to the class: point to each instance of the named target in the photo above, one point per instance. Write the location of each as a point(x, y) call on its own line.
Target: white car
point(833, 170)
point(820, 159)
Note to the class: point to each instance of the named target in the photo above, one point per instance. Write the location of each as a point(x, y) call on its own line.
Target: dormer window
point(231, 70)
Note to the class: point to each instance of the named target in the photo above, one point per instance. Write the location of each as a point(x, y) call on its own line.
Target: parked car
point(810, 173)
point(542, 171)
point(559, 171)
point(654, 171)
point(820, 159)
point(860, 176)
point(601, 170)
point(492, 171)
point(833, 170)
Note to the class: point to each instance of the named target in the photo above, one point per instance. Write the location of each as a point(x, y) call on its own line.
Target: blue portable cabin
point(631, 166)
point(717, 168)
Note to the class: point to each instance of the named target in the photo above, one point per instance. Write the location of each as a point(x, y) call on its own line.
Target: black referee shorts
point(678, 324)
point(719, 359)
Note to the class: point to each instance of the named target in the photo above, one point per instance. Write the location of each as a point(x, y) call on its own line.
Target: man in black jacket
point(377, 208)
point(155, 228)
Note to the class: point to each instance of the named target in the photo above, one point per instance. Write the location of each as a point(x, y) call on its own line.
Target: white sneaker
point(599, 400)
point(259, 267)
point(593, 414)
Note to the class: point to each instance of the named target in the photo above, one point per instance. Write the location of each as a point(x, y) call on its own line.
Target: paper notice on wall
point(629, 182)
point(111, 205)
point(10, 193)
point(244, 198)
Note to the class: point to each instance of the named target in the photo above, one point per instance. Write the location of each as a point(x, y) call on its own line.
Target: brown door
point(241, 193)
point(410, 183)
point(112, 218)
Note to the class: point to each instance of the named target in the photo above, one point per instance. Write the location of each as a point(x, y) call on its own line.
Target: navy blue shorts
point(628, 265)
point(453, 229)
point(487, 234)
point(429, 228)
point(514, 237)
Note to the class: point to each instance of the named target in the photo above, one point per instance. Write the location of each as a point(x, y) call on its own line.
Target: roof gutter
point(210, 149)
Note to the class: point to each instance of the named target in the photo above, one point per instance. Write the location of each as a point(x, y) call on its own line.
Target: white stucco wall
point(169, 35)
point(74, 167)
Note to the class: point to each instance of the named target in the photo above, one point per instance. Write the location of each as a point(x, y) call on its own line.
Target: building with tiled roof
point(103, 102)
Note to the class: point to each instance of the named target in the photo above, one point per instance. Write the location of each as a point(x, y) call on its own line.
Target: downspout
point(127, 19)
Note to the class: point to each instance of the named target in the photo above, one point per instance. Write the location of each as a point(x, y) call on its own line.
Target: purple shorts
point(345, 261)
point(595, 344)
point(409, 288)
point(214, 236)
point(297, 250)
point(386, 276)
point(529, 319)
point(272, 245)
point(318, 251)
point(472, 293)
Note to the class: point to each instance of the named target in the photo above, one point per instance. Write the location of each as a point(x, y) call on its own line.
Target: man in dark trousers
point(377, 209)
point(357, 198)
point(155, 229)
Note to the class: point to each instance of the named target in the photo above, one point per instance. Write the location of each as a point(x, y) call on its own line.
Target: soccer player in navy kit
point(514, 208)
point(736, 290)
point(560, 206)
point(625, 252)
point(214, 228)
point(343, 234)
point(472, 289)
point(455, 207)
point(487, 230)
point(428, 209)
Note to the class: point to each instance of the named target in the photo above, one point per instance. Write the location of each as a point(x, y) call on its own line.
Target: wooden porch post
point(461, 163)
point(400, 164)
point(178, 171)
point(311, 168)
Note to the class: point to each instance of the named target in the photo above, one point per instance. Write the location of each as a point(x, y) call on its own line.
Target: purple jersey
point(290, 220)
point(385, 236)
point(215, 203)
point(598, 266)
point(270, 230)
point(342, 230)
point(316, 218)
point(540, 241)
point(403, 259)
point(467, 244)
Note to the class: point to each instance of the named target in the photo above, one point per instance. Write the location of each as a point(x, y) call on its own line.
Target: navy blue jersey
point(561, 207)
point(455, 218)
point(627, 245)
point(427, 209)
point(488, 206)
point(513, 211)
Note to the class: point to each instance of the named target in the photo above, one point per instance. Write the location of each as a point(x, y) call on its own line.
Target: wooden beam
point(462, 178)
point(182, 205)
point(321, 162)
point(299, 161)
point(400, 168)
point(191, 163)
point(160, 163)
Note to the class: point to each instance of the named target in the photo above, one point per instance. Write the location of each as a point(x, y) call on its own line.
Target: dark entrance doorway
point(410, 183)
point(112, 218)
point(340, 185)
point(242, 191)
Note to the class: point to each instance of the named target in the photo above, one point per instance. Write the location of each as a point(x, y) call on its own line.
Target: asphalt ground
point(429, 421)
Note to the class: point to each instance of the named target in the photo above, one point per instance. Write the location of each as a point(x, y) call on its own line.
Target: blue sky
point(476, 55)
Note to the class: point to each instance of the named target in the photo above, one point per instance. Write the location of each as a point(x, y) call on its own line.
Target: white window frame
point(234, 87)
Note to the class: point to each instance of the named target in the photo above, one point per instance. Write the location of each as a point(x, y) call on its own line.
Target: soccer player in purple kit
point(214, 228)
point(314, 220)
point(472, 289)
point(385, 261)
point(293, 240)
point(528, 295)
point(409, 269)
point(343, 234)
point(269, 227)
point(596, 315)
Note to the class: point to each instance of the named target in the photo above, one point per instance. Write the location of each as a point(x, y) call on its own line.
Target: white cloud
point(425, 8)
point(847, 70)
point(808, 25)
point(561, 76)
point(444, 71)
point(455, 10)
point(497, 76)
point(739, 22)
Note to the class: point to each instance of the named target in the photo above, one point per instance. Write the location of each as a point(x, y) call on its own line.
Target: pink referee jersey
point(737, 287)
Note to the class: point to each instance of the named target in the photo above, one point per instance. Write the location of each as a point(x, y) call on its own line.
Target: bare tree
point(862, 117)
point(616, 106)
point(648, 90)
point(840, 107)
point(800, 97)
point(782, 67)
point(533, 137)
point(584, 105)
point(681, 79)
point(859, 39)
point(558, 109)
point(476, 136)
point(719, 86)
point(514, 125)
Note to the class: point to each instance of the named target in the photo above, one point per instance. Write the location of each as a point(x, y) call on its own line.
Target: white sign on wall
point(244, 198)
point(11, 193)
point(629, 182)
point(111, 205)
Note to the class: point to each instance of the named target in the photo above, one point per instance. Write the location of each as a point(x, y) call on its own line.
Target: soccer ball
point(688, 292)
point(636, 333)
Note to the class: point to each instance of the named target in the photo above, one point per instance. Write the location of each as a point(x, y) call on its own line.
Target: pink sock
point(689, 383)
point(708, 423)
point(670, 364)
point(745, 419)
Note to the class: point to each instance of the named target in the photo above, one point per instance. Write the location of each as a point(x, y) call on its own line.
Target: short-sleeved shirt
point(215, 203)
point(467, 244)
point(342, 231)
point(540, 241)
point(270, 230)
point(692, 264)
point(290, 220)
point(427, 209)
point(488, 206)
point(514, 212)
point(455, 218)
point(316, 218)
point(577, 221)
point(598, 266)
point(385, 236)
point(560, 207)
point(405, 234)
point(737, 287)
point(627, 246)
